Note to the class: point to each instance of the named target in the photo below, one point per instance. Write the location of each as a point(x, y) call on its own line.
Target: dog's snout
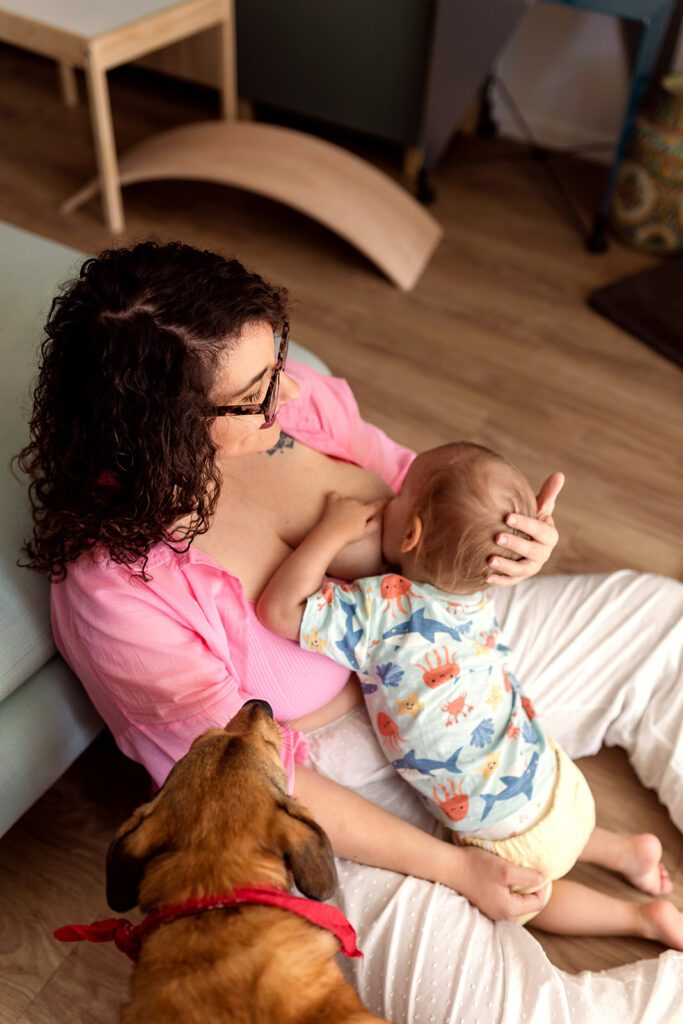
point(263, 703)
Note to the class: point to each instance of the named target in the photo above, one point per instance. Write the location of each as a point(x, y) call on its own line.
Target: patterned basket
point(647, 208)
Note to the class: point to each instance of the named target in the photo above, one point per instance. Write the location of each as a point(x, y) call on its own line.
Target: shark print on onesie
point(447, 713)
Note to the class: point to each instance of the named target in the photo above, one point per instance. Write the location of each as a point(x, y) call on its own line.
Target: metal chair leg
point(596, 240)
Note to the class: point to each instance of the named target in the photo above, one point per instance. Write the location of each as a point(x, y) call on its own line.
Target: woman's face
point(243, 377)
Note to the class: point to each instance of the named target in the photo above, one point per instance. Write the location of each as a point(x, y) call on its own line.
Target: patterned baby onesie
point(447, 713)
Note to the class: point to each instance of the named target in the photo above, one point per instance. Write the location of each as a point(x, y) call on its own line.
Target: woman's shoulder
point(168, 575)
point(326, 417)
point(189, 609)
point(97, 565)
point(325, 402)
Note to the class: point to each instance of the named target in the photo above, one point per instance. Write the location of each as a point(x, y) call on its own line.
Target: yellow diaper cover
point(551, 846)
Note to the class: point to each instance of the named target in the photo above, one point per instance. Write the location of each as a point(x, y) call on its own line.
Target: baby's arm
point(283, 601)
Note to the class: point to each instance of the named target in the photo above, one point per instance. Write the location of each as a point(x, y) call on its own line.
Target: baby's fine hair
point(463, 505)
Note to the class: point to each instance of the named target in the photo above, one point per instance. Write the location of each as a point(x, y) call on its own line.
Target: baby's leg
point(574, 909)
point(637, 858)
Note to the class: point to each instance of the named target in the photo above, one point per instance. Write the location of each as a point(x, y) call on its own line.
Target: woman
point(176, 459)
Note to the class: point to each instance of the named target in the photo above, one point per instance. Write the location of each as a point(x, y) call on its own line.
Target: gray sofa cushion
point(44, 725)
point(27, 284)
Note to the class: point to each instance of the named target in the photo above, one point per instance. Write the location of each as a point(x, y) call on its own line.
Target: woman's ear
point(306, 851)
point(412, 536)
point(137, 841)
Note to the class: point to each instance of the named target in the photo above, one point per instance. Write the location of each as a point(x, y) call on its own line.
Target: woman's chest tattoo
point(283, 442)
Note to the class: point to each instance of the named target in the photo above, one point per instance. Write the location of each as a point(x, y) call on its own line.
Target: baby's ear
point(412, 536)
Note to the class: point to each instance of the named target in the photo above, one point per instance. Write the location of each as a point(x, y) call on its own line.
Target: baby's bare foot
point(663, 923)
point(642, 865)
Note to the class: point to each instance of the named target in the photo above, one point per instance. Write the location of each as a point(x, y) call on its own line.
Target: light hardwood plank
point(52, 873)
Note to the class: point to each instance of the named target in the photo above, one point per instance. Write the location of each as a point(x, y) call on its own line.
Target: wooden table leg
point(413, 159)
point(105, 148)
point(67, 84)
point(228, 63)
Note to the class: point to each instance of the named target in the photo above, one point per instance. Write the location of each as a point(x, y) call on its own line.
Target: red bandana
point(129, 937)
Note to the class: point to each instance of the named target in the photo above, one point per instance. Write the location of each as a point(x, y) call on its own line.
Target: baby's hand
point(350, 519)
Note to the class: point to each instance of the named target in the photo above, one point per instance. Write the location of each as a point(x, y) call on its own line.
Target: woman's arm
point(361, 831)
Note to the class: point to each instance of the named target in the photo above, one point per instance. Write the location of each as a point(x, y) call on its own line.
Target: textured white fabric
point(601, 657)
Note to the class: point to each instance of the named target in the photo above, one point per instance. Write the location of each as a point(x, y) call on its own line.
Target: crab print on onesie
point(446, 710)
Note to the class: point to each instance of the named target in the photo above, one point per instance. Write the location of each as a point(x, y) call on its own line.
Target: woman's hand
point(488, 882)
point(351, 520)
point(535, 552)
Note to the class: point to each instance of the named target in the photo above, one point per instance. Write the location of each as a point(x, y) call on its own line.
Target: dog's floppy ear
point(307, 851)
point(136, 842)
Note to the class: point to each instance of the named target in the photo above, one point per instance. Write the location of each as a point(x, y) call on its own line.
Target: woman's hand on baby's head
point(350, 519)
point(534, 550)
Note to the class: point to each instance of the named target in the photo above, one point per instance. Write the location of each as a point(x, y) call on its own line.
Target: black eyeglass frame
point(268, 407)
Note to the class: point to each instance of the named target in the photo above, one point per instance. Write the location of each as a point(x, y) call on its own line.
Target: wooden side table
point(99, 36)
point(345, 193)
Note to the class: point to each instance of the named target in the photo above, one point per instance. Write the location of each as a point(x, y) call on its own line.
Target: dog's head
point(222, 819)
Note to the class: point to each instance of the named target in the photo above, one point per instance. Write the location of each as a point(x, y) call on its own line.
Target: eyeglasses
point(268, 407)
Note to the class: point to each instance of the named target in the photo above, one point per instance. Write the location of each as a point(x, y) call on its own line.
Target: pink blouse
point(164, 660)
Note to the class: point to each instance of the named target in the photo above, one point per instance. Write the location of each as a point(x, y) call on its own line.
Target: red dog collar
point(129, 937)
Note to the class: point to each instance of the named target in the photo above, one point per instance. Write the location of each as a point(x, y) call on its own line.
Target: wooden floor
point(495, 344)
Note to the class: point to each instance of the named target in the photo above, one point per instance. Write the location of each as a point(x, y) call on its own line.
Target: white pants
point(601, 658)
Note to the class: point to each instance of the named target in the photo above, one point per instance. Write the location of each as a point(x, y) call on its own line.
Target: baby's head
point(441, 528)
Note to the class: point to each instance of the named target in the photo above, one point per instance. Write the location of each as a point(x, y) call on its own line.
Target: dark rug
point(649, 305)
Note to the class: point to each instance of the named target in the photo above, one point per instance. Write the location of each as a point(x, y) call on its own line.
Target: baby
point(446, 709)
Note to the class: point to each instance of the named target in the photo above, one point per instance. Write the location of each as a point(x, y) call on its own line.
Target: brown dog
point(222, 820)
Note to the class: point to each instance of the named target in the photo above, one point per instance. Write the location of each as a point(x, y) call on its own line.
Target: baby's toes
point(665, 883)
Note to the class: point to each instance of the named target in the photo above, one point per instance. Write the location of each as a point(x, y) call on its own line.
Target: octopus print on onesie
point(447, 712)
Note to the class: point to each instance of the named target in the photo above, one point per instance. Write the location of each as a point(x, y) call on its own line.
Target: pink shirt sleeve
point(156, 662)
point(327, 418)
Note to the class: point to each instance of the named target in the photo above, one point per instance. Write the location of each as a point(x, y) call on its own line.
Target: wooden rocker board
point(347, 195)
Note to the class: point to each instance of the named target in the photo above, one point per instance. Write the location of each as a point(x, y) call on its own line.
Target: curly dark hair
point(120, 444)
